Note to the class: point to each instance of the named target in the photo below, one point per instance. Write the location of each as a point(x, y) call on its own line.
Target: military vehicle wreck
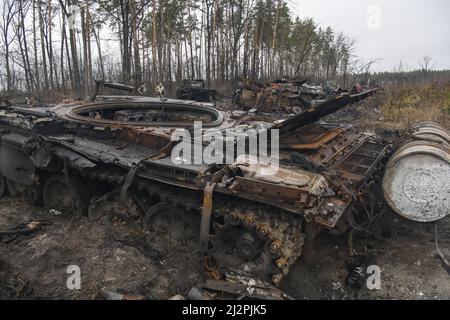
point(113, 157)
point(195, 90)
point(291, 96)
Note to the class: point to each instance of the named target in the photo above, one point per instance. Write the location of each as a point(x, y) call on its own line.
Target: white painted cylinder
point(416, 183)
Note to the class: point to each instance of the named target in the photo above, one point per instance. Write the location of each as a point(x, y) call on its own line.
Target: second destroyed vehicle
point(288, 96)
point(114, 158)
point(196, 90)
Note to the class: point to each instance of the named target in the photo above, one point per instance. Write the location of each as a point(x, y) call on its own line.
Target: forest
point(314, 166)
point(64, 45)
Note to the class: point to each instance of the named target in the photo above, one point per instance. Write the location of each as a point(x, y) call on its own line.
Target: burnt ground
point(34, 266)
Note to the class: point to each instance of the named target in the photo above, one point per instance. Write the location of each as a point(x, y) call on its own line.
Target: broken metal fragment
point(23, 229)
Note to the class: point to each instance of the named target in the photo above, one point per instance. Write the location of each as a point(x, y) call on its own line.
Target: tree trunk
point(36, 65)
point(85, 53)
point(75, 65)
point(137, 59)
point(49, 42)
point(154, 41)
point(44, 59)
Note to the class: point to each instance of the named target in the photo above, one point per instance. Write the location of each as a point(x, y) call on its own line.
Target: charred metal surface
point(321, 110)
point(117, 86)
point(206, 217)
point(114, 156)
point(292, 96)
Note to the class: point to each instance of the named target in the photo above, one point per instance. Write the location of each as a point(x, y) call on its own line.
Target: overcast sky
point(408, 29)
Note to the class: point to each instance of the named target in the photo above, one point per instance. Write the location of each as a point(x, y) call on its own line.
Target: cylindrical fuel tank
point(416, 182)
point(429, 131)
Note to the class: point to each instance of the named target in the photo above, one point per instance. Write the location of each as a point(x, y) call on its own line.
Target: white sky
point(409, 29)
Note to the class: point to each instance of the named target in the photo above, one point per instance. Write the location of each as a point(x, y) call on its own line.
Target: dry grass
point(402, 107)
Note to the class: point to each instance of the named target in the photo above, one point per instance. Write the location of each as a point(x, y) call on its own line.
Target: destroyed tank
point(114, 157)
point(288, 96)
point(196, 90)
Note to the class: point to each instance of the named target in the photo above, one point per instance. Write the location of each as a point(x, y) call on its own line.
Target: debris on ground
point(110, 295)
point(444, 260)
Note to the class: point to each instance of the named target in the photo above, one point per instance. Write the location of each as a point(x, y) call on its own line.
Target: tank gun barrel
point(321, 110)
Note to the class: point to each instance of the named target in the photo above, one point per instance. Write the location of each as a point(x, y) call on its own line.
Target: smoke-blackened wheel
point(172, 225)
point(240, 248)
point(132, 207)
point(258, 242)
point(69, 195)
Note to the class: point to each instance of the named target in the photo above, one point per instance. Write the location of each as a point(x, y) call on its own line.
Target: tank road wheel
point(66, 196)
point(132, 208)
point(259, 242)
point(3, 186)
point(238, 248)
point(172, 225)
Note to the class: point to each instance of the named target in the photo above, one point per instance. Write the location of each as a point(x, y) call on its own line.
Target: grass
point(401, 107)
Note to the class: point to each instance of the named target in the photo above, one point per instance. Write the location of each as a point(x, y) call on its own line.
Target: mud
point(35, 266)
point(410, 268)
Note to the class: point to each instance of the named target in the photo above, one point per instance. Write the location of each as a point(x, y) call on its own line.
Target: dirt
point(35, 266)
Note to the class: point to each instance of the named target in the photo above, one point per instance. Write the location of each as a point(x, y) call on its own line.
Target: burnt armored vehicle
point(279, 95)
point(114, 156)
point(291, 96)
point(196, 90)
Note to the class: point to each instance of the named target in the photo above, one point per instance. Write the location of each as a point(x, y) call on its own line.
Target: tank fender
point(42, 157)
point(15, 163)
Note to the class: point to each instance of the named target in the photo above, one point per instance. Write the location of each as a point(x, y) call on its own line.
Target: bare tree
point(165, 40)
point(73, 46)
point(23, 7)
point(8, 36)
point(362, 69)
point(427, 63)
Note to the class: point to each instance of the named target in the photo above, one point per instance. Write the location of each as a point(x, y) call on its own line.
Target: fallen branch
point(351, 251)
point(23, 229)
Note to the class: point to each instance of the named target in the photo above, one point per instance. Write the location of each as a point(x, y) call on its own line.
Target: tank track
point(275, 236)
point(279, 234)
